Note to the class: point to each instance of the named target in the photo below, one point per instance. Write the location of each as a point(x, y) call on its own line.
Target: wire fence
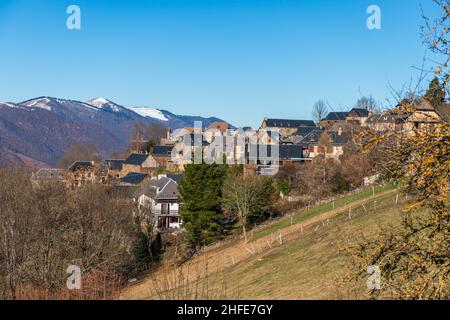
point(326, 204)
point(303, 229)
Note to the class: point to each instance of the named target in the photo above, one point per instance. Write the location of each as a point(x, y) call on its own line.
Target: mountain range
point(37, 132)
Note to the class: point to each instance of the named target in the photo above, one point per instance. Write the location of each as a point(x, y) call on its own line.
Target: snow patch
point(40, 103)
point(103, 103)
point(10, 105)
point(150, 112)
point(100, 101)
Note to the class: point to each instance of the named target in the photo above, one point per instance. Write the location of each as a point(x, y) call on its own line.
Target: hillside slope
point(38, 131)
point(302, 265)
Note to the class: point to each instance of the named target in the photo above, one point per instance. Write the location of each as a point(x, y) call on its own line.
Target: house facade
point(49, 175)
point(160, 200)
point(114, 168)
point(333, 118)
point(81, 173)
point(386, 121)
point(163, 156)
point(357, 116)
point(285, 127)
point(139, 162)
point(334, 149)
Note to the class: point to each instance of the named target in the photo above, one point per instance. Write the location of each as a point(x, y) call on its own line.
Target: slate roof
point(287, 123)
point(336, 138)
point(169, 191)
point(133, 178)
point(289, 152)
point(175, 177)
point(136, 158)
point(49, 174)
point(162, 151)
point(114, 164)
point(285, 151)
point(163, 188)
point(160, 183)
point(86, 165)
point(360, 112)
point(385, 118)
point(335, 116)
point(304, 131)
point(313, 136)
point(339, 139)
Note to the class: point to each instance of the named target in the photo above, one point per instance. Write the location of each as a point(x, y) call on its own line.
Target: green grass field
point(307, 267)
point(322, 208)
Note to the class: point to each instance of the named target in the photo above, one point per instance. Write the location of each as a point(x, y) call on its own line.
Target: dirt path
point(220, 258)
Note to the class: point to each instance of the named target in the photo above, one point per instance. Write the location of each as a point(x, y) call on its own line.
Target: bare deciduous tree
point(240, 194)
point(320, 111)
point(45, 228)
point(144, 136)
point(79, 151)
point(369, 103)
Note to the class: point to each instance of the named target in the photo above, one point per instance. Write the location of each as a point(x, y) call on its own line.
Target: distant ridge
point(37, 131)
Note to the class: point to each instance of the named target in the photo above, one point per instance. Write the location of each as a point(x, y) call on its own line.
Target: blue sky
point(238, 60)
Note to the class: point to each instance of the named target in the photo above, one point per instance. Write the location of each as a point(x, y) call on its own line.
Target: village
point(208, 156)
point(152, 178)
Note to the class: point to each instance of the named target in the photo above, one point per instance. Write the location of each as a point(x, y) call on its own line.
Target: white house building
point(160, 200)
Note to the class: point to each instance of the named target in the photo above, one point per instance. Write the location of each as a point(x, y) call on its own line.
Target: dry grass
point(307, 266)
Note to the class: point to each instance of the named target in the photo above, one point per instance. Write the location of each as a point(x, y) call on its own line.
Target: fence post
point(364, 207)
point(373, 190)
point(349, 213)
point(301, 229)
point(396, 199)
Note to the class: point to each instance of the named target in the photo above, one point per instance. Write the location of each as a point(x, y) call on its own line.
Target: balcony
point(166, 213)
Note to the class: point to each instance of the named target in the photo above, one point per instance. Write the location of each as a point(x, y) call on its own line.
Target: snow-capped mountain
point(150, 113)
point(39, 130)
point(106, 105)
point(55, 104)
